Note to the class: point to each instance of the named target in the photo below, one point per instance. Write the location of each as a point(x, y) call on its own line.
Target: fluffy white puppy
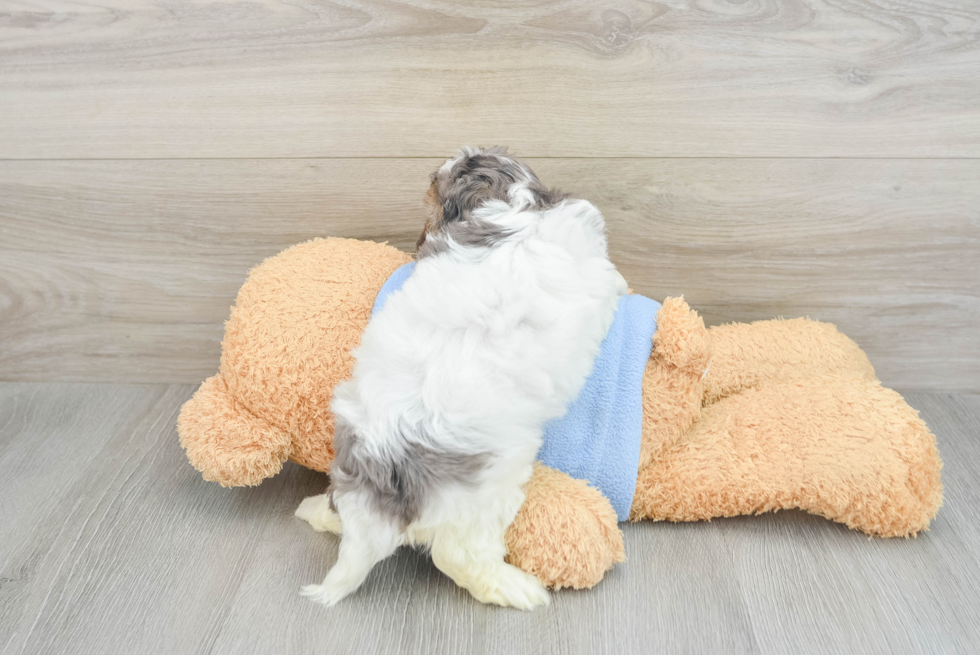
point(491, 337)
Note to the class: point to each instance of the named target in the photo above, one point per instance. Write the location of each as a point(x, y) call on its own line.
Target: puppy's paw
point(316, 511)
point(321, 593)
point(515, 588)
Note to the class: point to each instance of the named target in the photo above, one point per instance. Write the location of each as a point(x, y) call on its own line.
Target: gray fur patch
point(475, 232)
point(398, 482)
point(480, 176)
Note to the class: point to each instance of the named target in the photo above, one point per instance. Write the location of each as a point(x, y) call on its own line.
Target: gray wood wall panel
point(146, 78)
point(125, 270)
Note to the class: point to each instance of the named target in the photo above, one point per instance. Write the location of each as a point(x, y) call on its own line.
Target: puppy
point(491, 337)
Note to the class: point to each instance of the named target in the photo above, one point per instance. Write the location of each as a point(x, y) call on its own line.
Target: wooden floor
point(112, 543)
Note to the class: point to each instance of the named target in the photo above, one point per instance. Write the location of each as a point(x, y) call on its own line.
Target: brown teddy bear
point(737, 419)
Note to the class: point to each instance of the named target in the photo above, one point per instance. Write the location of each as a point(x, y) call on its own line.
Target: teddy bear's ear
point(226, 442)
point(681, 339)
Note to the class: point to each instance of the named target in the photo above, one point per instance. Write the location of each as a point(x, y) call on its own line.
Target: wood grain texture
point(272, 78)
point(125, 271)
point(113, 543)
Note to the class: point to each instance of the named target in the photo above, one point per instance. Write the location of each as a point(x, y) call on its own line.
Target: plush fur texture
point(491, 337)
point(788, 415)
point(566, 533)
point(281, 359)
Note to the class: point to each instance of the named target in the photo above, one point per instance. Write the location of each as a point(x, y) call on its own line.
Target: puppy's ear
point(477, 178)
point(468, 193)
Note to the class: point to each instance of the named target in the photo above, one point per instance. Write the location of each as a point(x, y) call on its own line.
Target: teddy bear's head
point(287, 344)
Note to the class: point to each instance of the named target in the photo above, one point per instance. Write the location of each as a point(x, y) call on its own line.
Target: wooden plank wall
point(763, 158)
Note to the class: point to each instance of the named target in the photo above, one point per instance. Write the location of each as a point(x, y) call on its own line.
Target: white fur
point(481, 347)
point(316, 511)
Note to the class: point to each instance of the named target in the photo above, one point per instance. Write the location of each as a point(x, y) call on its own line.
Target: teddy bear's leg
point(847, 449)
point(225, 442)
point(747, 354)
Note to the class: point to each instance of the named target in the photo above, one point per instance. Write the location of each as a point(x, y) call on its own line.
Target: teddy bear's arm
point(566, 533)
point(227, 443)
point(673, 382)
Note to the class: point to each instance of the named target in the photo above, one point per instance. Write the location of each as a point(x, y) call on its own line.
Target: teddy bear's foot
point(847, 449)
point(316, 511)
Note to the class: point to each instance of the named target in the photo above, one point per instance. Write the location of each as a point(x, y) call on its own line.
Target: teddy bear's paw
point(316, 511)
point(513, 587)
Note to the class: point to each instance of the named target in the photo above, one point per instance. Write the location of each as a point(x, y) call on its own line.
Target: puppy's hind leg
point(318, 512)
point(368, 539)
point(473, 556)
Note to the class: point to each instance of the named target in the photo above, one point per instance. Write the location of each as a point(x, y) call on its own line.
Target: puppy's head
point(470, 180)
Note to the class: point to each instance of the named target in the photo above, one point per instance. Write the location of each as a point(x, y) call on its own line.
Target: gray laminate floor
point(112, 543)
